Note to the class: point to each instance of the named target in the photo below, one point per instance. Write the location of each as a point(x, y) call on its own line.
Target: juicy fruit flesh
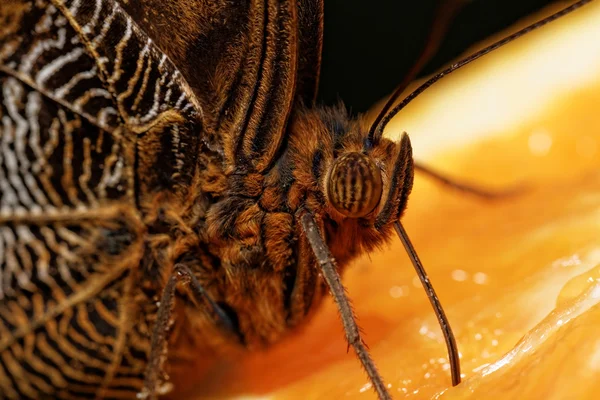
point(519, 277)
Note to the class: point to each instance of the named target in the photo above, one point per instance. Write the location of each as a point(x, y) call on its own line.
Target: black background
point(370, 44)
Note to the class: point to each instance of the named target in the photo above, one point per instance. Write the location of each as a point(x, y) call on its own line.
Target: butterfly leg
point(467, 188)
point(332, 278)
point(181, 275)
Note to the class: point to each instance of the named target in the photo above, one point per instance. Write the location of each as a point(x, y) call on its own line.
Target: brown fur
point(252, 229)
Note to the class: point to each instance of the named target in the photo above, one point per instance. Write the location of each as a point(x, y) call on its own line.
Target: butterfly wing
point(247, 63)
point(85, 99)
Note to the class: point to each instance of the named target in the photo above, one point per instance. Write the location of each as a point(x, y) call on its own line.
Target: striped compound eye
point(354, 186)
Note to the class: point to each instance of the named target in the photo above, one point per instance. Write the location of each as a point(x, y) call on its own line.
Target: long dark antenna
point(444, 15)
point(435, 303)
point(385, 115)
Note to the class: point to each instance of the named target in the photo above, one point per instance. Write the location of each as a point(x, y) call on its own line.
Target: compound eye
point(354, 187)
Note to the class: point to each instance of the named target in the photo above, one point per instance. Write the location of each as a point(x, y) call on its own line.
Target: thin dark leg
point(435, 302)
point(466, 188)
point(327, 265)
point(158, 345)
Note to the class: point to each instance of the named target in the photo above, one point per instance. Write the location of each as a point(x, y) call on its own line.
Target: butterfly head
point(359, 186)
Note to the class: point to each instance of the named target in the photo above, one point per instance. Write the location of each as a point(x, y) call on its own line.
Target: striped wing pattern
point(84, 96)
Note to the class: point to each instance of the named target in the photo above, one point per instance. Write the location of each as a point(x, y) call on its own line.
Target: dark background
point(370, 44)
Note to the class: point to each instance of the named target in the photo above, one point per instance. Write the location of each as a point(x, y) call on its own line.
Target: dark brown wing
point(246, 61)
point(85, 98)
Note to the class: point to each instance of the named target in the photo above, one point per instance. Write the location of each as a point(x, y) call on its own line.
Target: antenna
point(387, 112)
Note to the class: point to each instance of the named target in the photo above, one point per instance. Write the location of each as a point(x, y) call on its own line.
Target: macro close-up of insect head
point(299, 199)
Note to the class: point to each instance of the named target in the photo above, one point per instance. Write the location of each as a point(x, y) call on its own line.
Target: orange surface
point(519, 277)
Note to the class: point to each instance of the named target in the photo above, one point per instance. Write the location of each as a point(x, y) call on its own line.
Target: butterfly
point(174, 186)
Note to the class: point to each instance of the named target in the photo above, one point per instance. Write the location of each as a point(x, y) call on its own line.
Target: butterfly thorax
point(239, 231)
